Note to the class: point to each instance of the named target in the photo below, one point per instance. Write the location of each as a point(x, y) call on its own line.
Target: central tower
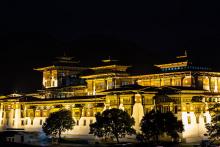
point(63, 72)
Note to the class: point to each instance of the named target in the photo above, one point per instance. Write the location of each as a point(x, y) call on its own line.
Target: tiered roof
point(63, 63)
point(181, 63)
point(108, 68)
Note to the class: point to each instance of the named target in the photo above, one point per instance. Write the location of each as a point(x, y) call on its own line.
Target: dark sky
point(33, 33)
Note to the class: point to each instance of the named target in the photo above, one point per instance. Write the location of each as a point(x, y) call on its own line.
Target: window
point(84, 123)
point(2, 122)
point(189, 120)
point(11, 139)
point(77, 113)
point(32, 122)
point(22, 114)
point(197, 119)
point(41, 122)
point(91, 121)
point(22, 107)
point(26, 122)
point(110, 85)
point(166, 109)
point(205, 119)
point(22, 138)
point(22, 122)
point(13, 123)
point(187, 107)
point(77, 122)
point(176, 109)
point(124, 83)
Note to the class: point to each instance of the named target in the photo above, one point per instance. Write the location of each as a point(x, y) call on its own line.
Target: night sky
point(33, 33)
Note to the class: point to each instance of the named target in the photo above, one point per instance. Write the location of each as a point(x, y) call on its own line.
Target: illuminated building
point(181, 87)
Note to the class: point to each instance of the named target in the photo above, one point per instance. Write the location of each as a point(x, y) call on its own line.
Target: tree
point(58, 122)
point(114, 123)
point(156, 123)
point(213, 128)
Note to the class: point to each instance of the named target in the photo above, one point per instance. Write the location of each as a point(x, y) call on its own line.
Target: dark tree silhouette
point(213, 128)
point(156, 123)
point(114, 123)
point(58, 122)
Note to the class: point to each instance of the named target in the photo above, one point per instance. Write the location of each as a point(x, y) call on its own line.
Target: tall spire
point(108, 60)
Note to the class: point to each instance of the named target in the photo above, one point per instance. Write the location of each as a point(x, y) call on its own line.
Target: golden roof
point(112, 67)
point(170, 65)
point(59, 67)
point(105, 75)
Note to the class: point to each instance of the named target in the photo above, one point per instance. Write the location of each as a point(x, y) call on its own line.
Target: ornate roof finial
point(184, 56)
point(66, 59)
point(109, 60)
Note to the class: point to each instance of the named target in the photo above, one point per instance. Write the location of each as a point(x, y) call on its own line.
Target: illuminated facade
point(180, 87)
